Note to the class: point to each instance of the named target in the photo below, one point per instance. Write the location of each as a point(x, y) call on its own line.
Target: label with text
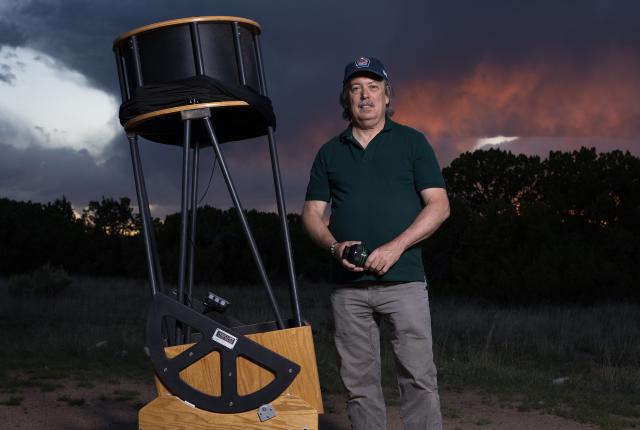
point(224, 338)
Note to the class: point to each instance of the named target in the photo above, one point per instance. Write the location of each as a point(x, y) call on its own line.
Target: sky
point(529, 77)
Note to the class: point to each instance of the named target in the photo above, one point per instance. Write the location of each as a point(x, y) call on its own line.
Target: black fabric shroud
point(199, 89)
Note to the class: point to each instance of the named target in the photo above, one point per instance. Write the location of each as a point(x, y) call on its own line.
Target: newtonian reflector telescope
point(199, 82)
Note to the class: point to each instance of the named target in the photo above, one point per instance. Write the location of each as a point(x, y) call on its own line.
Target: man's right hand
point(339, 249)
point(318, 231)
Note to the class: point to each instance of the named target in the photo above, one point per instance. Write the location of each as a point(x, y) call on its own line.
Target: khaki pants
point(356, 312)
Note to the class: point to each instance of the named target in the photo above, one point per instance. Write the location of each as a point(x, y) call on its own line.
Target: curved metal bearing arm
point(229, 344)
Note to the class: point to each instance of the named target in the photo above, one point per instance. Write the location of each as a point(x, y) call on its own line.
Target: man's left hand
point(382, 258)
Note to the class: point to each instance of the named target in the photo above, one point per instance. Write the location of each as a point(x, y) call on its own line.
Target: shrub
point(46, 281)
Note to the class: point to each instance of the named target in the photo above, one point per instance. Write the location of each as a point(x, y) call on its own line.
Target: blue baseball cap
point(365, 65)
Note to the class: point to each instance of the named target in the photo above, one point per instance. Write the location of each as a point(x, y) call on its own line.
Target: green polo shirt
point(375, 192)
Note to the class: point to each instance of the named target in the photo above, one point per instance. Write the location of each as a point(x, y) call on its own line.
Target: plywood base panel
point(296, 344)
point(170, 413)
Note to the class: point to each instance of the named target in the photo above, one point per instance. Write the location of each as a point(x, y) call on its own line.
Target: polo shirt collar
point(347, 134)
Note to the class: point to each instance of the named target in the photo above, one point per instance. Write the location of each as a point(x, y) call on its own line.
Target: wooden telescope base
point(297, 408)
point(170, 413)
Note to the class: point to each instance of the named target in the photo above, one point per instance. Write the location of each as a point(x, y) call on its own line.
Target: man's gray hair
point(344, 100)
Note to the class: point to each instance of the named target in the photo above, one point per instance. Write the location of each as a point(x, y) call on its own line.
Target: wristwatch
point(332, 249)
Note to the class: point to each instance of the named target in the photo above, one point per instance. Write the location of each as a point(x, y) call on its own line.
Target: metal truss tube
point(282, 212)
point(239, 59)
point(147, 224)
point(191, 258)
point(245, 224)
point(184, 220)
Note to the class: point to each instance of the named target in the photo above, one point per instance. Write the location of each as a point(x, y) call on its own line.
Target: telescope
point(195, 83)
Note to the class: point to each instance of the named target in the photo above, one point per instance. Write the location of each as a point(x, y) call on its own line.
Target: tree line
point(522, 229)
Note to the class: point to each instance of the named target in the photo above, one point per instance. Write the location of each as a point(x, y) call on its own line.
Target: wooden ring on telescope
point(178, 21)
point(131, 125)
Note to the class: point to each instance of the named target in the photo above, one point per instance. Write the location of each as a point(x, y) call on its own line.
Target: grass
point(12, 401)
point(482, 422)
point(85, 384)
point(518, 353)
point(512, 355)
point(449, 412)
point(71, 401)
point(125, 395)
point(48, 387)
point(51, 337)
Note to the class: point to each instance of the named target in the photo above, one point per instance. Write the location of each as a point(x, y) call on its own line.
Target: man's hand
point(435, 211)
point(339, 249)
point(383, 258)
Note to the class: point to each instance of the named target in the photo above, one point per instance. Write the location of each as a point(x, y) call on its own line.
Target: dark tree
point(111, 217)
point(521, 230)
point(482, 179)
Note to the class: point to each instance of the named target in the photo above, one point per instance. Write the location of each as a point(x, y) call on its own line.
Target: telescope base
point(170, 413)
point(295, 344)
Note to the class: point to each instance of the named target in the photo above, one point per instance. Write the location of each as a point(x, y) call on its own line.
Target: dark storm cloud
point(310, 41)
point(9, 131)
point(44, 174)
point(80, 34)
point(11, 34)
point(432, 48)
point(440, 38)
point(29, 171)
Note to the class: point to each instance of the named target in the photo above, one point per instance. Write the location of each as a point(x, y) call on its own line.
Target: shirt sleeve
point(426, 170)
point(318, 187)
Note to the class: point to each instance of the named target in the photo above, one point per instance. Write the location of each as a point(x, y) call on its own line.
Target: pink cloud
point(544, 98)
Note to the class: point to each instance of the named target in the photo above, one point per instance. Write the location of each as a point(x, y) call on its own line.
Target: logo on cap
point(362, 62)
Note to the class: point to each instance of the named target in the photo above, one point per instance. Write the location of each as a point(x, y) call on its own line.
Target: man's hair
point(344, 99)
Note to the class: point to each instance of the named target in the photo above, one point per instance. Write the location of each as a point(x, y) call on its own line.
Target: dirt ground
point(113, 406)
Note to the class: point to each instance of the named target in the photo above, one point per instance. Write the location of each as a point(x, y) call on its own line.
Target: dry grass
point(592, 353)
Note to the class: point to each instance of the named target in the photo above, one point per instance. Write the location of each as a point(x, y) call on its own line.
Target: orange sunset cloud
point(537, 99)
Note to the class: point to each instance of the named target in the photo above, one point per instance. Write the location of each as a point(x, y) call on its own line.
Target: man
point(387, 192)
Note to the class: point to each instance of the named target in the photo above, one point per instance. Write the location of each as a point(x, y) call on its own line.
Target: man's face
point(367, 100)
